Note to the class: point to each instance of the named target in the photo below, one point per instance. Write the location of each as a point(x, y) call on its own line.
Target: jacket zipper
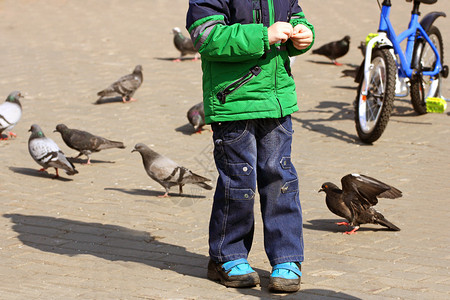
point(257, 11)
point(222, 95)
point(272, 20)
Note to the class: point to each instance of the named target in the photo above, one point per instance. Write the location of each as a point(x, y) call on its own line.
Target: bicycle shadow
point(116, 243)
point(332, 111)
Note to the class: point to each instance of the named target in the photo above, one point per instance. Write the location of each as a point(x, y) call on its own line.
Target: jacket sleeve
point(217, 41)
point(298, 17)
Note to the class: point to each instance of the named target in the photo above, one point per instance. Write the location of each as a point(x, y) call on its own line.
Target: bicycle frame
point(388, 38)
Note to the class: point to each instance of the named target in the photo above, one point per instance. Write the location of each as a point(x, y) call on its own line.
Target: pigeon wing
point(46, 153)
point(10, 114)
point(128, 84)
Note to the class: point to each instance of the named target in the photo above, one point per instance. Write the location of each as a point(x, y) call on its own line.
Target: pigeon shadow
point(141, 192)
point(186, 129)
point(186, 58)
point(339, 111)
point(116, 243)
point(37, 173)
point(331, 226)
point(93, 161)
point(109, 100)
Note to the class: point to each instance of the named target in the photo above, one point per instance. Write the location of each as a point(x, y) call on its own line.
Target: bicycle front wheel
point(372, 111)
point(423, 87)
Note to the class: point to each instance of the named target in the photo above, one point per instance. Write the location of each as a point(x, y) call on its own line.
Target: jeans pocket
point(241, 194)
point(285, 124)
point(229, 132)
point(290, 186)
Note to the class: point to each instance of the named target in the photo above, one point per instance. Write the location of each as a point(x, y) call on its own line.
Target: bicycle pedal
point(436, 105)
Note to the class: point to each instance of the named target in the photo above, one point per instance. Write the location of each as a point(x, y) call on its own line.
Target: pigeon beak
point(321, 190)
point(134, 150)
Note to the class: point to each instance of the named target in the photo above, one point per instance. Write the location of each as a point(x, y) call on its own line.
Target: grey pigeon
point(167, 172)
point(85, 142)
point(196, 116)
point(334, 50)
point(10, 114)
point(46, 153)
point(183, 44)
point(356, 200)
point(125, 86)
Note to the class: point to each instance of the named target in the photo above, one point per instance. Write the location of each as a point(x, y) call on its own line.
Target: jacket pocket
point(222, 94)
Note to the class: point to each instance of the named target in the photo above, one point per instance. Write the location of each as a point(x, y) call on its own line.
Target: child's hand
point(302, 37)
point(279, 32)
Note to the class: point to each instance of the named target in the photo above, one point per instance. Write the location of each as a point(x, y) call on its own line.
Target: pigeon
point(125, 86)
point(46, 153)
point(354, 202)
point(196, 116)
point(183, 44)
point(85, 142)
point(10, 114)
point(167, 172)
point(334, 50)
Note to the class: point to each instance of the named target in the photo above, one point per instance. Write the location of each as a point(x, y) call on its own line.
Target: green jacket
point(244, 77)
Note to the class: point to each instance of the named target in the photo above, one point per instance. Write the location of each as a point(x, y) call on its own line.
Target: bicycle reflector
point(436, 105)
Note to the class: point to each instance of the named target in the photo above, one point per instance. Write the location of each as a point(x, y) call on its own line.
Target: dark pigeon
point(334, 50)
point(125, 86)
point(356, 200)
point(196, 117)
point(167, 172)
point(85, 142)
point(10, 114)
point(183, 44)
point(46, 153)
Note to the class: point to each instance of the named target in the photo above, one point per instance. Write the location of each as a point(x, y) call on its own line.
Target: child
point(249, 95)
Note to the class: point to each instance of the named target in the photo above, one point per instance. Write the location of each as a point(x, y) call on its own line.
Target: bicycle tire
point(379, 100)
point(419, 84)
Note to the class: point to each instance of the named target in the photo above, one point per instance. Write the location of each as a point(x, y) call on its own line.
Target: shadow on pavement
point(117, 243)
point(338, 110)
point(331, 226)
point(37, 173)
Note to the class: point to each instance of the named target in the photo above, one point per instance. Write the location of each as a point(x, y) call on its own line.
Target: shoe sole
point(248, 280)
point(284, 285)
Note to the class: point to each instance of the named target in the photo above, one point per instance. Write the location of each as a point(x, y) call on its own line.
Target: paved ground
point(105, 234)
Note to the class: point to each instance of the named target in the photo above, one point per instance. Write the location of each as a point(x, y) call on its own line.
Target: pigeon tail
point(386, 223)
point(204, 185)
point(113, 144)
point(71, 172)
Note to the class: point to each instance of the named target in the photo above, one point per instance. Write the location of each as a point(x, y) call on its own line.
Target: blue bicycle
point(388, 71)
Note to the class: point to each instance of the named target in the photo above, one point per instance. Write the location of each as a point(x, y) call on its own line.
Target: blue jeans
point(250, 154)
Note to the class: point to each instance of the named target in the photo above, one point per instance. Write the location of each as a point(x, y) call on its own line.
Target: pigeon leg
point(166, 195)
point(88, 161)
point(353, 231)
point(57, 174)
point(196, 57)
point(336, 63)
point(177, 60)
point(12, 134)
point(124, 99)
point(181, 189)
point(342, 223)
point(42, 170)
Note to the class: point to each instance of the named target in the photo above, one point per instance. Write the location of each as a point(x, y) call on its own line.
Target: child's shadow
point(117, 243)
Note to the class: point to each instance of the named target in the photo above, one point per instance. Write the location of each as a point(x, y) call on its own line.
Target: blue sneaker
point(235, 273)
point(286, 277)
